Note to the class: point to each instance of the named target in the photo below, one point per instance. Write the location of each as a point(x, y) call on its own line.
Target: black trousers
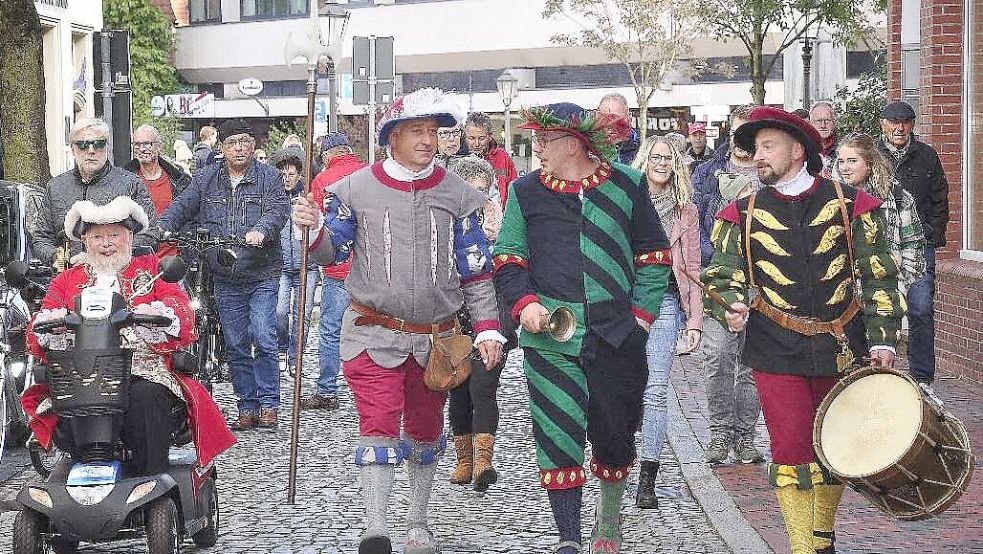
point(154, 414)
point(474, 405)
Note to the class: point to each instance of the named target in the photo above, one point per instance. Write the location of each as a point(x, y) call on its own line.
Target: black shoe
point(375, 545)
point(646, 498)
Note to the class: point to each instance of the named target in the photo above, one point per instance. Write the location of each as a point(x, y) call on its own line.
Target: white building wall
point(67, 27)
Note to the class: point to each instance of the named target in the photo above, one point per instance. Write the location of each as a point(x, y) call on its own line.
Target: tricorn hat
point(765, 117)
point(122, 210)
point(420, 104)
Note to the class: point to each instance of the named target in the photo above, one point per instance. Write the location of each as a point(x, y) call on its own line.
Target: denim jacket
point(258, 203)
point(289, 245)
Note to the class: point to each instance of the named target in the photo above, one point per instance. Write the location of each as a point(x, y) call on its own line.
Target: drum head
point(870, 424)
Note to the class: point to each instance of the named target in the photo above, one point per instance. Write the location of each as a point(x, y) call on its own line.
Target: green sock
point(609, 505)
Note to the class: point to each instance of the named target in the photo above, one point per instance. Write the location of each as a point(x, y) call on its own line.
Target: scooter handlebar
point(49, 325)
point(151, 320)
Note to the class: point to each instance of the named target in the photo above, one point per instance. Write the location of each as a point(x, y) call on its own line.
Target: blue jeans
point(921, 322)
point(248, 315)
point(286, 318)
point(660, 350)
point(334, 302)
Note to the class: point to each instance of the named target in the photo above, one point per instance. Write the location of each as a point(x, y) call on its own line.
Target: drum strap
point(808, 326)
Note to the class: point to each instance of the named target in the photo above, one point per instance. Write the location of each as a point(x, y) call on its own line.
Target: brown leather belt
point(371, 317)
point(806, 325)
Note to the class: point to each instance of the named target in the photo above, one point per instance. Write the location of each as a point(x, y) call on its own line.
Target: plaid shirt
point(906, 235)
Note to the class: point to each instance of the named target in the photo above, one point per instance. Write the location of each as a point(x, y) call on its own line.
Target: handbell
point(561, 324)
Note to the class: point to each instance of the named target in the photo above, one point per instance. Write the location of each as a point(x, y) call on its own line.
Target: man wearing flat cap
point(238, 196)
point(796, 244)
point(419, 256)
point(918, 170)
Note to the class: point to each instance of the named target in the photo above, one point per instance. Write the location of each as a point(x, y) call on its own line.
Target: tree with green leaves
point(753, 21)
point(151, 46)
point(22, 97)
point(859, 109)
point(648, 37)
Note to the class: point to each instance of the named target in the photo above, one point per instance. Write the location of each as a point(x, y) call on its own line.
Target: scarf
point(896, 152)
point(665, 205)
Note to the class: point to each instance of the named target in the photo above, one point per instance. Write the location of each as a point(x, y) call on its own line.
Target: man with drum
point(799, 252)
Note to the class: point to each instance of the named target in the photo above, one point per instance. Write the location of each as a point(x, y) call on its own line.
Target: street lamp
point(807, 42)
point(508, 88)
point(337, 24)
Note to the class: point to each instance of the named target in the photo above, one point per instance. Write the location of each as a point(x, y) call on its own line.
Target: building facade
point(67, 27)
point(936, 63)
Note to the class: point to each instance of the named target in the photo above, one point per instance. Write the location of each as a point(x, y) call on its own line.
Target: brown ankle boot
point(465, 460)
point(484, 474)
point(245, 422)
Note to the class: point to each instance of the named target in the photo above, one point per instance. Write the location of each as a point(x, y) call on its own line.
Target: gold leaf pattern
point(884, 305)
point(876, 267)
point(829, 239)
point(870, 228)
point(738, 275)
point(776, 299)
point(723, 244)
point(715, 231)
point(768, 220)
point(829, 210)
point(769, 243)
point(772, 271)
point(835, 267)
point(904, 303)
point(839, 295)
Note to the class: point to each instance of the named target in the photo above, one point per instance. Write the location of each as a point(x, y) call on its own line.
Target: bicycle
point(209, 350)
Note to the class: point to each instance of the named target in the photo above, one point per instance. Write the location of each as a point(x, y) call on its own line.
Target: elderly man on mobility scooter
point(160, 401)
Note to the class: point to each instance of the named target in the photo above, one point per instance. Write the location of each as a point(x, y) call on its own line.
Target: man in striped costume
point(581, 233)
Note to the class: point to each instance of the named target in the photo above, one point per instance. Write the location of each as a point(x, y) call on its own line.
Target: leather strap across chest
point(808, 326)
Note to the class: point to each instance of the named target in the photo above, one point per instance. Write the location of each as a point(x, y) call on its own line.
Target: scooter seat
point(182, 456)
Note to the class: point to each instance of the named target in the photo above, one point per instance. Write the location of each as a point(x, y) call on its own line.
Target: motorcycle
point(87, 497)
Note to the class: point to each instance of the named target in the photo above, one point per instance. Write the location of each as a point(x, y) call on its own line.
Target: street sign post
point(373, 78)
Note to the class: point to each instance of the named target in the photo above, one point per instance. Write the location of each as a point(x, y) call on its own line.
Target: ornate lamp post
point(807, 43)
point(337, 25)
point(508, 88)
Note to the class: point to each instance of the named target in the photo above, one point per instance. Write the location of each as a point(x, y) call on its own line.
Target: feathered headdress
point(420, 104)
point(601, 132)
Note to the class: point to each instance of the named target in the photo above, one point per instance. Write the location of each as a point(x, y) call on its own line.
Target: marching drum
point(882, 435)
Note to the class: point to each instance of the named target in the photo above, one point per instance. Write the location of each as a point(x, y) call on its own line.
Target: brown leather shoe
point(246, 421)
point(267, 419)
point(484, 474)
point(319, 402)
point(465, 460)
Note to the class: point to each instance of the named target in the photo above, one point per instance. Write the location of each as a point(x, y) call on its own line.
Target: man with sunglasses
point(93, 178)
point(240, 196)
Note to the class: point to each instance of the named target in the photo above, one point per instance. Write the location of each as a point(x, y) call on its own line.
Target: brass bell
point(561, 324)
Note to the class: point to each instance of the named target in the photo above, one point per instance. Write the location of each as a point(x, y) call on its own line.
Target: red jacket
point(210, 432)
point(501, 162)
point(338, 168)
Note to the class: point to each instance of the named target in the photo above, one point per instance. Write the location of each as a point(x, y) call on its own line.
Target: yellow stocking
point(827, 501)
point(797, 510)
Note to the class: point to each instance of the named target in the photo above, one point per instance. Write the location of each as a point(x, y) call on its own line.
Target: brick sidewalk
point(860, 528)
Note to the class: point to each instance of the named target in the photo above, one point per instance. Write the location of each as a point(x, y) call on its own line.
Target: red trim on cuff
point(655, 257)
point(642, 314)
point(562, 478)
point(317, 241)
point(475, 278)
point(611, 474)
point(503, 260)
point(485, 325)
point(522, 303)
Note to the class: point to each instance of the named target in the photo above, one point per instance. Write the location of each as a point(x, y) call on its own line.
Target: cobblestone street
point(513, 517)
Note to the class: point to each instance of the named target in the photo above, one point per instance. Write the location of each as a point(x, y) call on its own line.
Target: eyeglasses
point(145, 145)
point(659, 158)
point(479, 138)
point(232, 143)
point(111, 237)
point(98, 144)
point(543, 141)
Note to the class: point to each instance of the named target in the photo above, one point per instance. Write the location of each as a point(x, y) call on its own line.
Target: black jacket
point(919, 171)
point(179, 179)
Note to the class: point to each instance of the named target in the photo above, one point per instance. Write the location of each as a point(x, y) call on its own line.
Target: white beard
point(111, 265)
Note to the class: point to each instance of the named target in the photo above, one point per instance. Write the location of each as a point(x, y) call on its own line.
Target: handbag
point(450, 360)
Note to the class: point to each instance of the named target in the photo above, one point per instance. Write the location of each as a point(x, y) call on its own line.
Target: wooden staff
point(302, 291)
point(714, 295)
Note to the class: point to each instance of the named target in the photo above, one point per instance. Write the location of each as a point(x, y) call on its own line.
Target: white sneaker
point(419, 540)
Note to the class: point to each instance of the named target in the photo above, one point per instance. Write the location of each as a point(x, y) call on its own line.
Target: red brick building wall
point(959, 297)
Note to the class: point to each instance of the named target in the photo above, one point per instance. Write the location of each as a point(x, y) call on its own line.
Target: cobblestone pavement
point(860, 528)
point(513, 517)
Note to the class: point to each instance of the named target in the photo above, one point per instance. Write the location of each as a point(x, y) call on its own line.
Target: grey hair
point(470, 167)
point(616, 96)
point(94, 123)
point(826, 103)
point(152, 130)
point(207, 132)
point(480, 120)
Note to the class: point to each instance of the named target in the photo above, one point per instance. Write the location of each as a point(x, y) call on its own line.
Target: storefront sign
point(184, 105)
point(56, 3)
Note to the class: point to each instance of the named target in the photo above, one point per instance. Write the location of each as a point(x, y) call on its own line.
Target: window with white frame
point(269, 9)
point(973, 149)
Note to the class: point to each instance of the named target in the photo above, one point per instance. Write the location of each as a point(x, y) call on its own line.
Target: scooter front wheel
point(28, 526)
point(207, 537)
point(162, 527)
